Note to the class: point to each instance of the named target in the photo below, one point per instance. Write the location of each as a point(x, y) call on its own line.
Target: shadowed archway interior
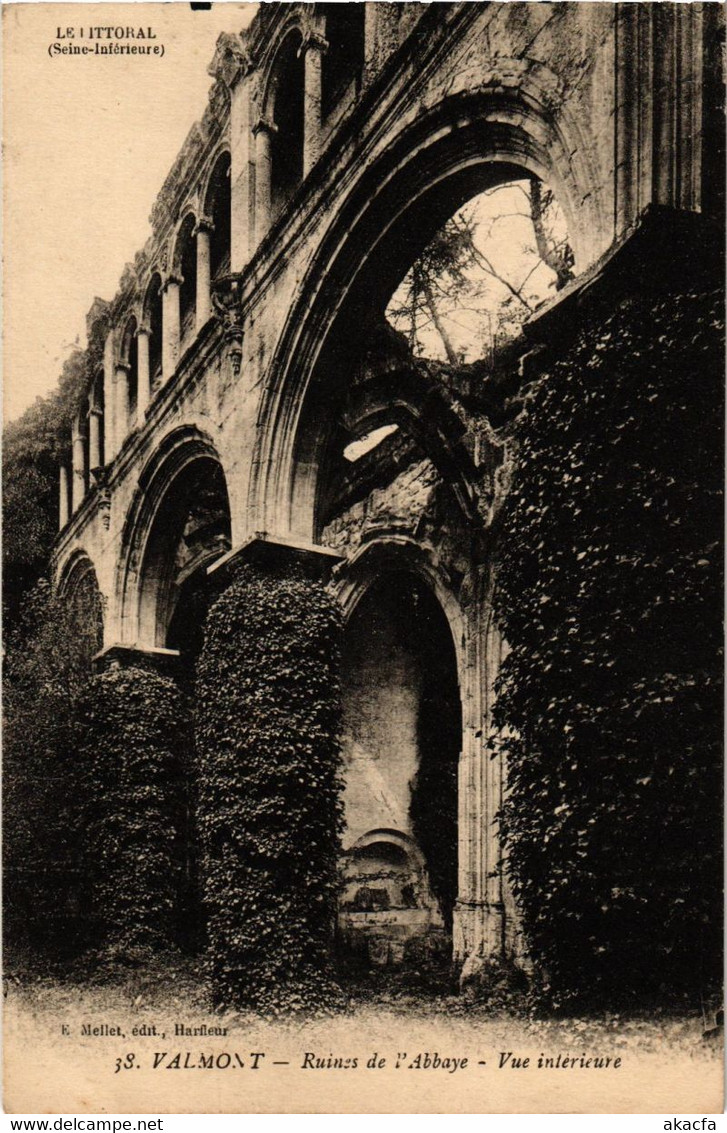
point(402, 740)
point(190, 530)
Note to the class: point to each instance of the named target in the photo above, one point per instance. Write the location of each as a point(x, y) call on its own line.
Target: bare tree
point(458, 277)
point(557, 254)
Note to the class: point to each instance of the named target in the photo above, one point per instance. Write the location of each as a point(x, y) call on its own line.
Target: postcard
point(362, 477)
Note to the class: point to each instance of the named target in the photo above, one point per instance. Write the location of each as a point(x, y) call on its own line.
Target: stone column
point(263, 131)
point(63, 511)
point(122, 403)
point(242, 176)
point(170, 326)
point(479, 927)
point(143, 389)
point(78, 483)
point(109, 398)
point(315, 47)
point(203, 232)
point(94, 438)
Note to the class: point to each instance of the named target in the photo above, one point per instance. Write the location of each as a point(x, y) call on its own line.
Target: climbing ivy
point(49, 646)
point(133, 741)
point(268, 768)
point(610, 698)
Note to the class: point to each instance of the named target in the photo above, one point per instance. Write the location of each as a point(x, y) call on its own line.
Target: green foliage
point(47, 666)
point(133, 738)
point(267, 744)
point(610, 698)
point(33, 447)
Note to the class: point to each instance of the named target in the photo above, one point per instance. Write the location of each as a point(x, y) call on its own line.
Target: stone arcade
point(246, 348)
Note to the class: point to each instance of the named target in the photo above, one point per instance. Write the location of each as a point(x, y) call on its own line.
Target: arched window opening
point(186, 264)
point(344, 60)
point(218, 210)
point(287, 143)
point(483, 274)
point(401, 744)
point(356, 465)
point(153, 319)
point(133, 377)
point(355, 450)
point(191, 529)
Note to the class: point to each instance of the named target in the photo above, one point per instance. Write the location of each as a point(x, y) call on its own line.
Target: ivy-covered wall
point(268, 774)
point(134, 741)
point(47, 666)
point(610, 701)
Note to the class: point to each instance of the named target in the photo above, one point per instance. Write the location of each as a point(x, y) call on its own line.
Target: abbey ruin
point(251, 402)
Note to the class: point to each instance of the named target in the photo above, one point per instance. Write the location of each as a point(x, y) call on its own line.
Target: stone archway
point(333, 379)
point(484, 921)
point(78, 587)
point(459, 148)
point(178, 525)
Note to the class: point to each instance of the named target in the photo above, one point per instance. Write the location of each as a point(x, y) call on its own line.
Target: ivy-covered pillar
point(134, 741)
point(268, 772)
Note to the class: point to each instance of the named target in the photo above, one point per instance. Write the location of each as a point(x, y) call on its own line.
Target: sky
point(88, 142)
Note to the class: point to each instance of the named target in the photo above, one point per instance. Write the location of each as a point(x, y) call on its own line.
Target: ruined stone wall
point(400, 505)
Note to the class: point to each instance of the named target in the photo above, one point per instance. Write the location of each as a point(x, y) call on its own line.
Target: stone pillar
point(170, 326)
point(263, 131)
point(315, 47)
point(78, 483)
point(63, 510)
point(109, 398)
point(242, 176)
point(94, 438)
point(479, 924)
point(143, 391)
point(203, 231)
point(122, 403)
point(249, 767)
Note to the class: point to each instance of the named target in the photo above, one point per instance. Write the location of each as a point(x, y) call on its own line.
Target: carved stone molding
point(228, 311)
point(230, 62)
point(313, 40)
point(204, 224)
point(264, 125)
point(171, 278)
point(100, 479)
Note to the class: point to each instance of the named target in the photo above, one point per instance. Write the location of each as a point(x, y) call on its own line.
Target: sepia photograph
point(363, 466)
